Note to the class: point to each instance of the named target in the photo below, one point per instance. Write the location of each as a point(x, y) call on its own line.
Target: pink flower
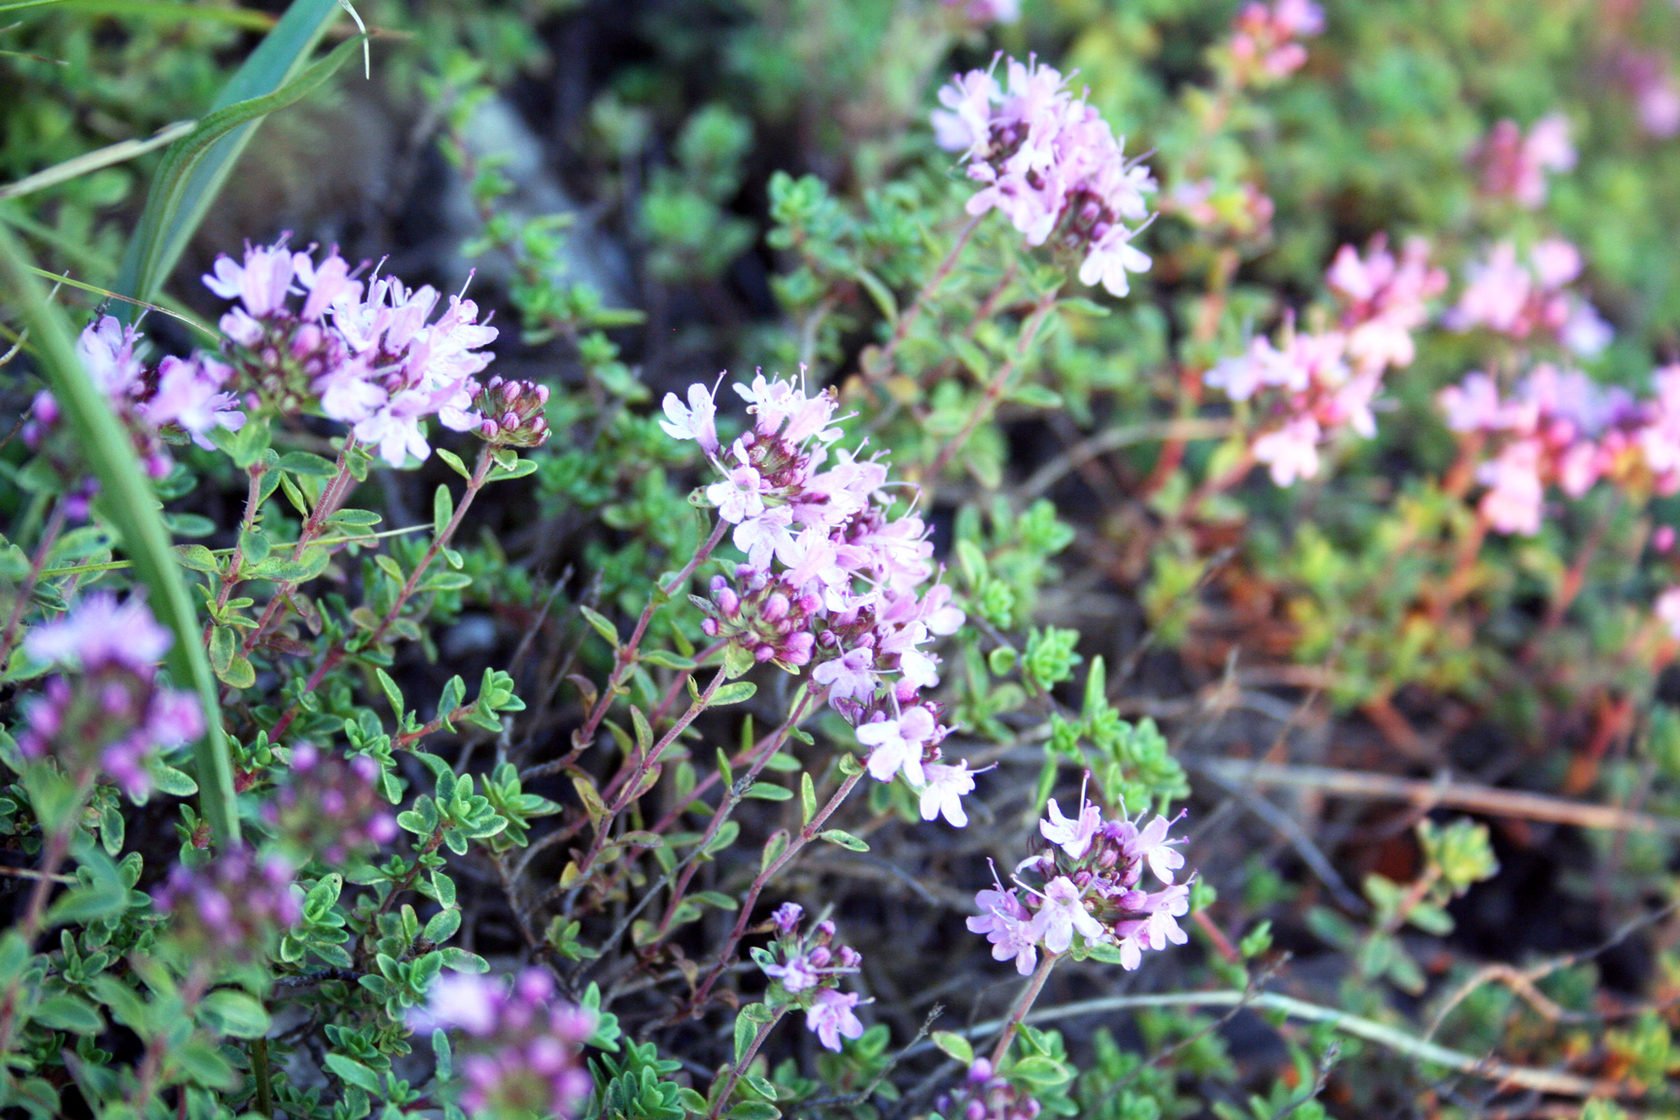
point(831, 1017)
point(1667, 608)
point(796, 976)
point(739, 496)
point(945, 789)
point(849, 677)
point(1062, 915)
point(106, 349)
point(1473, 405)
point(1110, 259)
point(262, 282)
point(897, 745)
point(462, 1001)
point(189, 396)
point(1072, 834)
point(1006, 924)
point(1513, 501)
point(1290, 451)
point(98, 631)
point(697, 421)
point(1151, 845)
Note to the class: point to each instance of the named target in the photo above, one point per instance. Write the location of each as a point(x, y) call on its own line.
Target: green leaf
point(132, 508)
point(235, 1013)
point(352, 1072)
point(768, 791)
point(733, 693)
point(753, 1110)
point(68, 1013)
point(195, 166)
point(454, 462)
point(954, 1045)
point(745, 1029)
point(601, 624)
point(844, 839)
point(443, 508)
point(773, 848)
point(1040, 1071)
point(203, 1063)
point(393, 694)
point(807, 798)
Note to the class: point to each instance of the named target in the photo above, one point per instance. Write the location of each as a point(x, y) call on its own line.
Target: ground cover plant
point(913, 559)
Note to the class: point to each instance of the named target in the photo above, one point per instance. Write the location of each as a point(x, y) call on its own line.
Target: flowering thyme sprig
point(806, 972)
point(107, 711)
point(1528, 298)
point(1560, 428)
point(152, 401)
point(367, 353)
point(231, 908)
point(834, 580)
point(1311, 385)
point(331, 806)
point(1265, 43)
point(1047, 160)
point(520, 1042)
point(1514, 164)
point(1085, 888)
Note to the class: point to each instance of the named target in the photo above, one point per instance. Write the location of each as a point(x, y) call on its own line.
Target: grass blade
point(133, 509)
point(159, 10)
point(92, 161)
point(269, 79)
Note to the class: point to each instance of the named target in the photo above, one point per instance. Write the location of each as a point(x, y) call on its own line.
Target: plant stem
point(994, 389)
point(745, 1061)
point(878, 368)
point(1029, 996)
point(230, 578)
point(1404, 1041)
point(626, 786)
point(764, 754)
point(37, 563)
point(336, 654)
point(332, 496)
point(57, 847)
point(626, 657)
point(795, 846)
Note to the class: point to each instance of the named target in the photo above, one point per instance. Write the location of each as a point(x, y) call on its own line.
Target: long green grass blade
point(92, 161)
point(272, 78)
point(133, 509)
point(161, 11)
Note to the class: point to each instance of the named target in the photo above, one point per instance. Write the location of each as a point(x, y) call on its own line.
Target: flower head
point(520, 1042)
point(1049, 163)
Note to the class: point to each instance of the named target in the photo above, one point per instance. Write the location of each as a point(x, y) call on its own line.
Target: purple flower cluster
point(1050, 164)
point(368, 354)
point(1528, 299)
point(332, 806)
point(986, 1096)
point(1087, 881)
point(109, 712)
point(173, 395)
point(232, 906)
point(1649, 79)
point(1314, 385)
point(1514, 165)
point(807, 971)
point(1561, 428)
point(520, 1051)
point(1265, 40)
point(832, 579)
